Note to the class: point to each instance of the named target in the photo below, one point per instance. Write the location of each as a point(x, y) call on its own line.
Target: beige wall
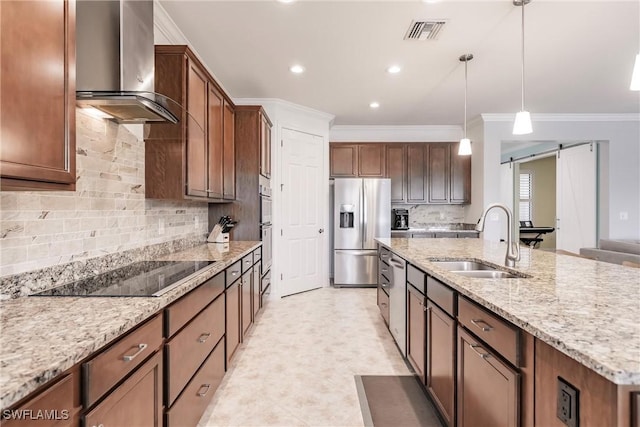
point(544, 196)
point(107, 213)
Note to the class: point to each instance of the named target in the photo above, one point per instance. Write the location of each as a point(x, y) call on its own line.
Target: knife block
point(221, 238)
point(217, 236)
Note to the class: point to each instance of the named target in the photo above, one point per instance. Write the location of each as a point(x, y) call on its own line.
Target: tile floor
point(297, 367)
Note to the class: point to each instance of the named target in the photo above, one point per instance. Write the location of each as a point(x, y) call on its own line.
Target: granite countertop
point(586, 309)
point(44, 336)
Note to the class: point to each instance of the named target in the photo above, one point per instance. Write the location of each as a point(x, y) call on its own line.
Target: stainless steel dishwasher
point(398, 302)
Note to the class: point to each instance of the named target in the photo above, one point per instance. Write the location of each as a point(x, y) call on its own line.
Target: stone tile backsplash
point(421, 215)
point(107, 213)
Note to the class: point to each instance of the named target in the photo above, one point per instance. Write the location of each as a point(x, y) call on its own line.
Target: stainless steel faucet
point(513, 248)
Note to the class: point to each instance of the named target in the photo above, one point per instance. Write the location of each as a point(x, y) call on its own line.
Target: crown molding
point(165, 25)
point(563, 117)
point(384, 133)
point(287, 105)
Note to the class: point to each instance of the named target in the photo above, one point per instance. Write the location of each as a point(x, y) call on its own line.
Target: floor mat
point(394, 401)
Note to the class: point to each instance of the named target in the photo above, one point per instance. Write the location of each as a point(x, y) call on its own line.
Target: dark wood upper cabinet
point(197, 95)
point(438, 173)
point(420, 173)
point(229, 153)
point(396, 169)
point(460, 177)
point(343, 160)
point(215, 130)
point(252, 130)
point(194, 158)
point(265, 146)
point(371, 162)
point(37, 102)
point(417, 173)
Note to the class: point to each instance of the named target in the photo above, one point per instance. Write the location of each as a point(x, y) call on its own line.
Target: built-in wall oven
point(266, 235)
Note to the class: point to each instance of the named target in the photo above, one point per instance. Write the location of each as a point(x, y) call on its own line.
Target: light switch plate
point(624, 216)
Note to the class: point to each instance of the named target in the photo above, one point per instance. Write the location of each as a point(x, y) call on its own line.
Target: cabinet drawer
point(135, 402)
point(186, 308)
point(192, 403)
point(384, 254)
point(113, 364)
point(233, 272)
point(441, 294)
point(383, 304)
point(247, 262)
point(497, 332)
point(257, 255)
point(62, 397)
point(186, 351)
point(416, 278)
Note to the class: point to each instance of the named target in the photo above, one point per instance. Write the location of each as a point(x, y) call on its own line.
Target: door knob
point(321, 231)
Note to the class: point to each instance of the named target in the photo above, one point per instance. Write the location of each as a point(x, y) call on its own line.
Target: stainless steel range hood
point(115, 61)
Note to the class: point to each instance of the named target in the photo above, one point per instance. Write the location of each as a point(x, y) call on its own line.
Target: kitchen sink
point(486, 274)
point(476, 270)
point(463, 266)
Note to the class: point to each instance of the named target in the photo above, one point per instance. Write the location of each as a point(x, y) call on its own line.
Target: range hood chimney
point(115, 61)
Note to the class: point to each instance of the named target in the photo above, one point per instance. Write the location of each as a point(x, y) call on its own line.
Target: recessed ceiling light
point(286, 1)
point(297, 69)
point(394, 69)
point(374, 105)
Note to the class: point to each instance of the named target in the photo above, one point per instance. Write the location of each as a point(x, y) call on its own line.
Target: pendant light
point(635, 77)
point(465, 144)
point(522, 124)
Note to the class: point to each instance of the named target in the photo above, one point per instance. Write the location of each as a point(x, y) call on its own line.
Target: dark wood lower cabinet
point(246, 298)
point(488, 388)
point(197, 395)
point(232, 319)
point(441, 361)
point(136, 402)
point(416, 330)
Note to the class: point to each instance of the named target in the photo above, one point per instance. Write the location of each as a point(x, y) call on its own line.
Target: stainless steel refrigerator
point(362, 212)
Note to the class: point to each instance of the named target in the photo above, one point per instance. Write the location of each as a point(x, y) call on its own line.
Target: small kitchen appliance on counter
point(400, 219)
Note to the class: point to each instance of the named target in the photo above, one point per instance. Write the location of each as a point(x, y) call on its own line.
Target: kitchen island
point(584, 310)
point(42, 337)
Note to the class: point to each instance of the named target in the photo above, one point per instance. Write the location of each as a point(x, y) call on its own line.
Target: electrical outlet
point(568, 407)
point(624, 216)
point(161, 226)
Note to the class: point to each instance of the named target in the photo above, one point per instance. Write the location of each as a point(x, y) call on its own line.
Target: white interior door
point(576, 198)
point(303, 218)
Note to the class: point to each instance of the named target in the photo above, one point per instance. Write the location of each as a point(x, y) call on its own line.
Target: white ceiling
point(579, 56)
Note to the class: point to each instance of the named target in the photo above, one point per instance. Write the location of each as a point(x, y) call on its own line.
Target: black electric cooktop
point(140, 279)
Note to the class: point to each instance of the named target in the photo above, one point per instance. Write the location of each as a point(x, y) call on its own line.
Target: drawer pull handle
point(234, 273)
point(202, 338)
point(206, 388)
point(483, 355)
point(384, 270)
point(425, 308)
point(486, 328)
point(140, 347)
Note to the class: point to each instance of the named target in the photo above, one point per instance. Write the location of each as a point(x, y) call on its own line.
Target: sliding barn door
point(576, 192)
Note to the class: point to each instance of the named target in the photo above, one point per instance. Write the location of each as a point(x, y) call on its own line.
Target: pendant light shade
point(522, 124)
point(465, 144)
point(465, 147)
point(635, 77)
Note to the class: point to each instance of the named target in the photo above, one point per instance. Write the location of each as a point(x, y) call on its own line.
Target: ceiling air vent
point(424, 30)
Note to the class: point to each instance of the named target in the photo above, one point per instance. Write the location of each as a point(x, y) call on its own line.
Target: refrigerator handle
point(364, 213)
